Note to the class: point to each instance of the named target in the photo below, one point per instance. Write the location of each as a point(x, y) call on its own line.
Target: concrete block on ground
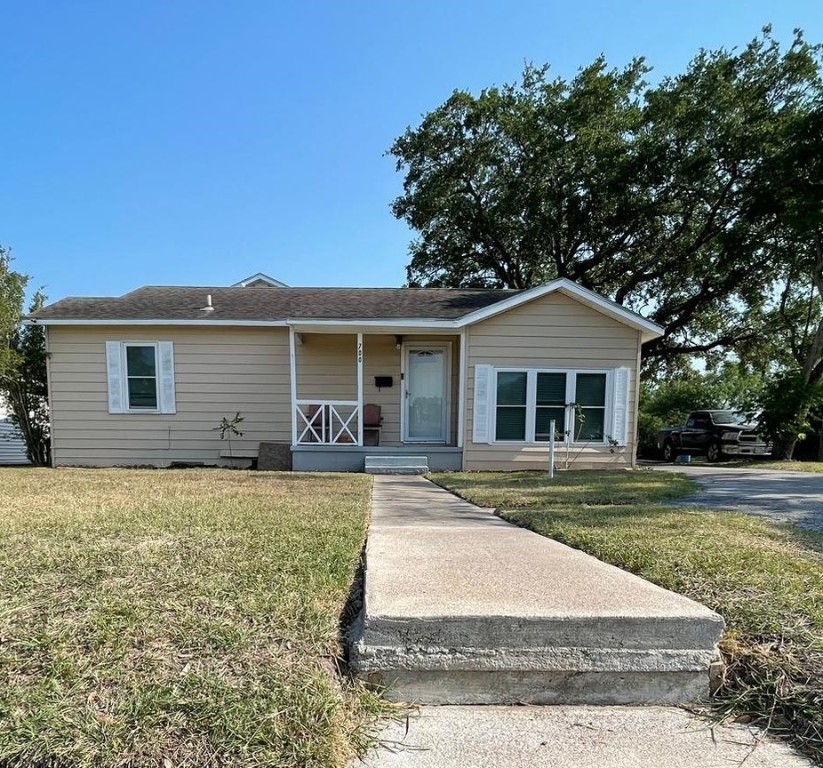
point(274, 457)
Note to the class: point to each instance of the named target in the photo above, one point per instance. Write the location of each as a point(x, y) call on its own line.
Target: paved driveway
point(790, 497)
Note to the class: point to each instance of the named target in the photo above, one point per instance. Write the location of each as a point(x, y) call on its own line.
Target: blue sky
point(198, 142)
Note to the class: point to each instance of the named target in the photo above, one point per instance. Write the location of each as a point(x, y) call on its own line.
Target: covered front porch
point(375, 392)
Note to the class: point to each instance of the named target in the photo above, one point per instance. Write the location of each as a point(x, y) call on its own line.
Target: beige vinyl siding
point(327, 370)
point(554, 331)
point(218, 372)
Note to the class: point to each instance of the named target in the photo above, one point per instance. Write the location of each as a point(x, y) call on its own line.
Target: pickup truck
point(713, 433)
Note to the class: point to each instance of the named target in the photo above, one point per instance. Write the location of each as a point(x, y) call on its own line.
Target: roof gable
point(571, 289)
point(259, 281)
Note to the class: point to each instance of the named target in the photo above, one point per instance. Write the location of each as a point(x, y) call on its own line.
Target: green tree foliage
point(789, 402)
point(791, 198)
point(23, 378)
point(12, 294)
point(652, 195)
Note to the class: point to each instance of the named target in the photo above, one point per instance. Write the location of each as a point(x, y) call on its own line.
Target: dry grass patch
point(766, 580)
point(178, 618)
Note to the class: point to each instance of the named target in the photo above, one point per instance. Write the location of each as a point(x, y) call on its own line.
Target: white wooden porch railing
point(327, 422)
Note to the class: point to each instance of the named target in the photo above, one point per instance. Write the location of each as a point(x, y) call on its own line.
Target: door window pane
point(427, 395)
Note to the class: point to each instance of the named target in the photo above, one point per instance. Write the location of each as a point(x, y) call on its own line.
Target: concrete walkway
point(461, 607)
point(573, 737)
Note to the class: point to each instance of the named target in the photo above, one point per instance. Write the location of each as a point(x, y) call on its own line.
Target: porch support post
point(461, 389)
point(360, 389)
point(293, 384)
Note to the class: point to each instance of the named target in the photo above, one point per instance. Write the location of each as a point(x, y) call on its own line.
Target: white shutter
point(481, 430)
point(165, 377)
point(620, 405)
point(114, 371)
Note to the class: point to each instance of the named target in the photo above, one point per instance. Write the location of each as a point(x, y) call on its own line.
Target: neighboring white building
point(12, 446)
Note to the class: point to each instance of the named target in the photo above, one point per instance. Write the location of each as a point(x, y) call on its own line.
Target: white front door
point(426, 394)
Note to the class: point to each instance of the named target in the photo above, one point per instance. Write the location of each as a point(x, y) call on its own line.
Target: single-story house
point(468, 379)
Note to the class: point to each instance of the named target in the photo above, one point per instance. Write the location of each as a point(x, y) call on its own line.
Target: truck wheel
point(714, 454)
point(668, 451)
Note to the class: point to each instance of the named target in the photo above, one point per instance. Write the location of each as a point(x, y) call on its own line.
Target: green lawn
point(178, 618)
point(765, 579)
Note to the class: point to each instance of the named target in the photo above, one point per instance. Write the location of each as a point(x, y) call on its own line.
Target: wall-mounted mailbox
point(383, 381)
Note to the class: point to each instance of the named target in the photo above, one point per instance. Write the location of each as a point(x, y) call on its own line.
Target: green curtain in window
point(511, 423)
point(511, 405)
point(591, 389)
point(140, 361)
point(551, 388)
point(142, 393)
point(591, 398)
point(542, 423)
point(591, 427)
point(511, 388)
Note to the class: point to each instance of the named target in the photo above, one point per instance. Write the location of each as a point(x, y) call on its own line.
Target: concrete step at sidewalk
point(573, 737)
point(396, 465)
point(462, 608)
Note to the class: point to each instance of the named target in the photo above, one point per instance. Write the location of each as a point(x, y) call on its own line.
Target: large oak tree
point(650, 194)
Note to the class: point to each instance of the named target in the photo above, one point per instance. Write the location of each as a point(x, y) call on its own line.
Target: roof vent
point(208, 307)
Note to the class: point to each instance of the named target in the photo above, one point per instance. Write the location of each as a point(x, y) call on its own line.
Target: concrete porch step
point(396, 465)
point(462, 608)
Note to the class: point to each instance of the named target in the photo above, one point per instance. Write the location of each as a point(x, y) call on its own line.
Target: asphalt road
point(789, 497)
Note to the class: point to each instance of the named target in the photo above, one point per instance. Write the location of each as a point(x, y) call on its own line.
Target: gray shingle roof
point(185, 303)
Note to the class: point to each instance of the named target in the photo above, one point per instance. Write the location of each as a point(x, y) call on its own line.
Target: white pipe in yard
point(551, 449)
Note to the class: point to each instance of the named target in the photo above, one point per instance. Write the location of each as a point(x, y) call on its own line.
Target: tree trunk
point(784, 450)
